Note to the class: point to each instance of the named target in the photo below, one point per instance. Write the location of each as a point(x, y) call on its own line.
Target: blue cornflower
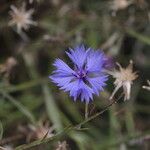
point(86, 78)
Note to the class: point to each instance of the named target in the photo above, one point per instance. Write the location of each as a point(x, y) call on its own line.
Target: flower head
point(7, 68)
point(148, 86)
point(124, 78)
point(87, 76)
point(42, 131)
point(120, 4)
point(21, 18)
point(62, 145)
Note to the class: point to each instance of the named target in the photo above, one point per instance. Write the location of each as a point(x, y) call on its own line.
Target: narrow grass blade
point(138, 36)
point(1, 130)
point(20, 107)
point(52, 109)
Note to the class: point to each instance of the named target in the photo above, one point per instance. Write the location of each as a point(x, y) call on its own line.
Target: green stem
point(86, 110)
point(23, 86)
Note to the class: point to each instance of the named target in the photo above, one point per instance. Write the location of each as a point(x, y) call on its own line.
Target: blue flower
point(87, 76)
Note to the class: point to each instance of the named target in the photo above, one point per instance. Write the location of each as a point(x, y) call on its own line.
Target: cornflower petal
point(62, 67)
point(98, 83)
point(95, 61)
point(61, 80)
point(79, 56)
point(79, 88)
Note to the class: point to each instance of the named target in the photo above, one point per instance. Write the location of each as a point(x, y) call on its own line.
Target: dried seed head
point(40, 131)
point(21, 18)
point(44, 132)
point(116, 5)
point(124, 78)
point(62, 146)
point(8, 66)
point(125, 74)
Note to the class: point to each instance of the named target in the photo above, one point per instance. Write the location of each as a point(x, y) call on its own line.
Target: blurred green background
point(30, 104)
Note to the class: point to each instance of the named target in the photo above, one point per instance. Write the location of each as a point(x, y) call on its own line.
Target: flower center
point(81, 74)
